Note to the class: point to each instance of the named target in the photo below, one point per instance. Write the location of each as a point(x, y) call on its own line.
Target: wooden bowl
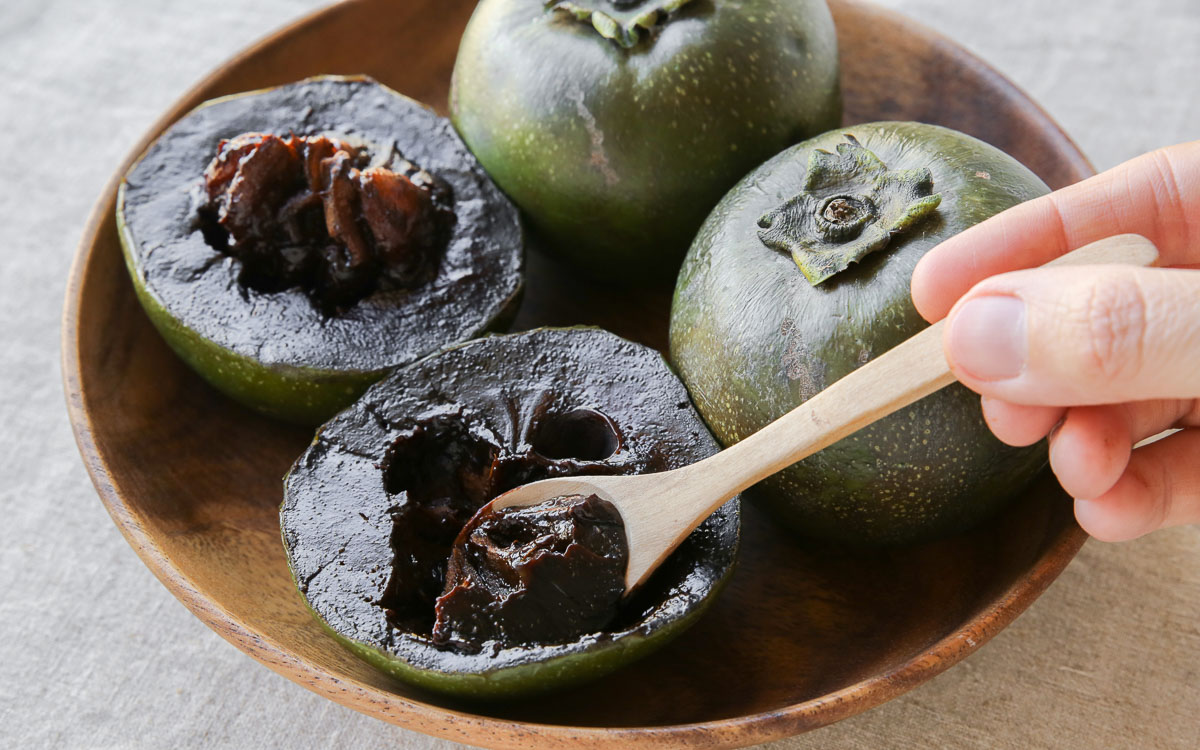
point(801, 638)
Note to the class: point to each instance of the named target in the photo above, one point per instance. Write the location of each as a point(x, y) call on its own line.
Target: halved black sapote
point(801, 275)
point(295, 243)
point(373, 507)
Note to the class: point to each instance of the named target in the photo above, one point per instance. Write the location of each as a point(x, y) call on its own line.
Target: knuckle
point(1150, 488)
point(1114, 314)
point(1166, 182)
point(1171, 212)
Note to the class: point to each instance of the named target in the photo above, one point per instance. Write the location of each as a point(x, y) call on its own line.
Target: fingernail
point(987, 337)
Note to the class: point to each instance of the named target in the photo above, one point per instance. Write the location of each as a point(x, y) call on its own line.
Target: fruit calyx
point(851, 205)
point(315, 212)
point(621, 21)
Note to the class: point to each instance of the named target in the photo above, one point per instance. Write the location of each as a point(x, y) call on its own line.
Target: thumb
point(1077, 336)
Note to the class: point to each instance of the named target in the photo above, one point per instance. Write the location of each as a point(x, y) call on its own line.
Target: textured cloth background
point(94, 653)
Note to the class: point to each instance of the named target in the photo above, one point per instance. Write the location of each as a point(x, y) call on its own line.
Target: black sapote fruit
point(372, 510)
point(617, 125)
point(295, 243)
point(800, 275)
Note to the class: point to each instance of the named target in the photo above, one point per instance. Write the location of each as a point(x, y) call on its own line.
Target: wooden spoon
point(660, 510)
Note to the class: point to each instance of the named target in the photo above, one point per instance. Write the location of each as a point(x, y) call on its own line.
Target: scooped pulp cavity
point(450, 466)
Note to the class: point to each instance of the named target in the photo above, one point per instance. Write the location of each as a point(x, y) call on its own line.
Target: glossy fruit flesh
point(372, 509)
point(545, 573)
point(753, 336)
point(316, 213)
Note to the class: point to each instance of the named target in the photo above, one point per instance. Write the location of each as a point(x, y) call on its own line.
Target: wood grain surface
point(802, 636)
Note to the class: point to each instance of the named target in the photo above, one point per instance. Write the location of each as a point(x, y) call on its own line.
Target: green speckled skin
point(616, 155)
point(529, 679)
point(752, 339)
point(304, 395)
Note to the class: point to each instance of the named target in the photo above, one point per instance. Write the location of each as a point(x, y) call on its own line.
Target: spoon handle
point(899, 377)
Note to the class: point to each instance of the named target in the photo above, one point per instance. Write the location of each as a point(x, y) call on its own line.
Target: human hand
point(1097, 357)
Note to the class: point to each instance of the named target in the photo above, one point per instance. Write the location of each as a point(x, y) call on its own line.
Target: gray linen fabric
point(95, 653)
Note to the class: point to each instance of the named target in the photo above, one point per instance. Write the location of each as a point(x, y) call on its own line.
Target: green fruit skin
point(616, 155)
point(752, 339)
point(300, 395)
point(555, 673)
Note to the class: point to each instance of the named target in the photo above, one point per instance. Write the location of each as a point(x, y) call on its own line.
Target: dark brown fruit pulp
point(545, 573)
point(314, 212)
point(450, 466)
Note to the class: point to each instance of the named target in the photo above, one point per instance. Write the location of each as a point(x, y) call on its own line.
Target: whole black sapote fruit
point(616, 125)
point(800, 275)
point(372, 509)
point(295, 243)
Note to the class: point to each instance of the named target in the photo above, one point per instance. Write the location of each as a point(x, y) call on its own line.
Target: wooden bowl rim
point(432, 719)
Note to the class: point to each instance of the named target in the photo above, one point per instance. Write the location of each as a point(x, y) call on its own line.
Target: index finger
point(1156, 195)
